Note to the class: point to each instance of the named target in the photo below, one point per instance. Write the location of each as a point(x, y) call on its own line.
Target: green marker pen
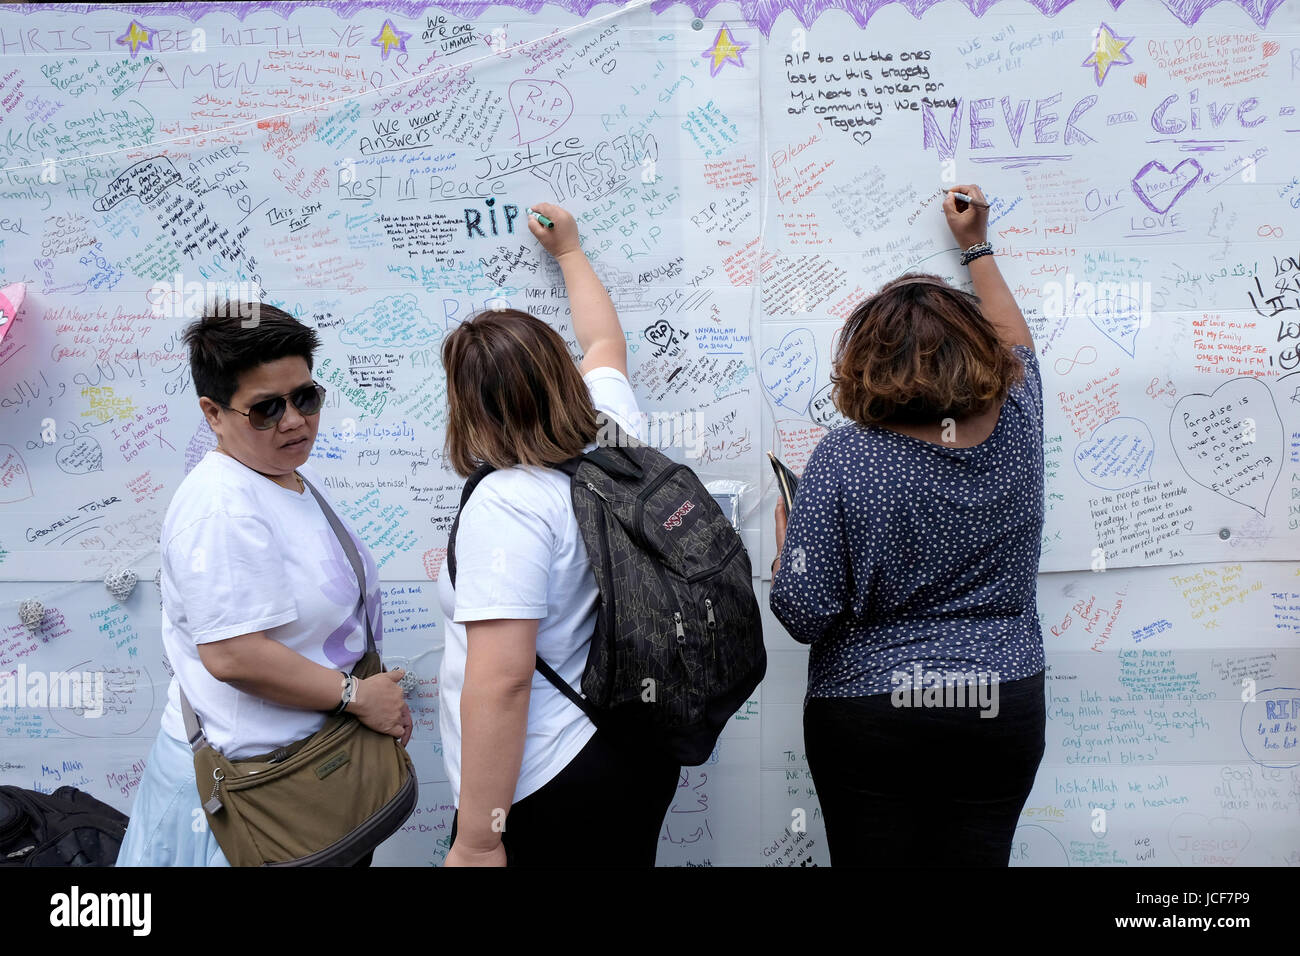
point(540, 218)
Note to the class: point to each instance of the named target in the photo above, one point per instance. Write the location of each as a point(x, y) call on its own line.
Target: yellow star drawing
point(390, 37)
point(136, 36)
point(1107, 51)
point(724, 49)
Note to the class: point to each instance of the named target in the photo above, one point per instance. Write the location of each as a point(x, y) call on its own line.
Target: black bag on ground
point(678, 644)
point(65, 828)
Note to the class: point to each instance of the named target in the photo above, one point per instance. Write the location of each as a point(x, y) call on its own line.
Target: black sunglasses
point(268, 412)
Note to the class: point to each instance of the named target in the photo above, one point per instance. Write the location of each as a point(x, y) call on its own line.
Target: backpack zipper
point(607, 574)
point(726, 559)
point(678, 620)
point(639, 524)
point(650, 489)
point(713, 630)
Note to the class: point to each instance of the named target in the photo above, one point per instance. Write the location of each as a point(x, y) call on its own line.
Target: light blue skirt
point(167, 825)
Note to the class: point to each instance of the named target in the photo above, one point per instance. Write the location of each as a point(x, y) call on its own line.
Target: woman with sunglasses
point(262, 616)
point(910, 566)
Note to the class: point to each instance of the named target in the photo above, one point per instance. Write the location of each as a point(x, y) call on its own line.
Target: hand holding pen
point(968, 217)
point(959, 196)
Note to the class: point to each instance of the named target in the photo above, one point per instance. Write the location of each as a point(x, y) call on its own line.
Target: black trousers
point(918, 786)
point(605, 808)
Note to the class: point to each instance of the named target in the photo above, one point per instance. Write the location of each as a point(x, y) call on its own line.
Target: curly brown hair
point(514, 394)
point(919, 351)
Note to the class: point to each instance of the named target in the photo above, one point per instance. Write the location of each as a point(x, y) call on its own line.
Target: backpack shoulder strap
point(610, 454)
point(560, 684)
point(470, 484)
point(569, 467)
point(616, 463)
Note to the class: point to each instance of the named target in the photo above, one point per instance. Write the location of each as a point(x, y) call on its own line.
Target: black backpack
point(65, 828)
point(678, 644)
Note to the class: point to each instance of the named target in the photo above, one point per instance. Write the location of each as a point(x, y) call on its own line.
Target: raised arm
point(595, 321)
point(970, 225)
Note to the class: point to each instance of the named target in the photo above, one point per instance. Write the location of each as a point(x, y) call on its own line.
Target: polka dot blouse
point(901, 551)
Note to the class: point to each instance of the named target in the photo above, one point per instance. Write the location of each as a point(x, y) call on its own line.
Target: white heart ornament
point(121, 583)
point(32, 613)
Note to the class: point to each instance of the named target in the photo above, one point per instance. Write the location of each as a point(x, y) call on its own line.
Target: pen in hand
point(540, 218)
point(962, 197)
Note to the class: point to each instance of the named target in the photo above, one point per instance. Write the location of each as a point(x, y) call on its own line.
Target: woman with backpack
point(534, 782)
point(910, 565)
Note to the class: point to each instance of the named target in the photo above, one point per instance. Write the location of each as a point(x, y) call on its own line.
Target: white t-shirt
point(519, 554)
point(242, 554)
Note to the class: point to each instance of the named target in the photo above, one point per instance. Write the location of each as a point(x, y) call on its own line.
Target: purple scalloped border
point(759, 13)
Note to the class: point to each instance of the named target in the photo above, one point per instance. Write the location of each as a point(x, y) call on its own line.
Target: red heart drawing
point(1271, 48)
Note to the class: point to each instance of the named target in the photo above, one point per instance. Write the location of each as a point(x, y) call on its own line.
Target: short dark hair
point(514, 394)
point(223, 345)
point(919, 351)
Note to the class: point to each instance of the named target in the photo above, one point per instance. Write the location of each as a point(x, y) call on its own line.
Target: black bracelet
point(984, 248)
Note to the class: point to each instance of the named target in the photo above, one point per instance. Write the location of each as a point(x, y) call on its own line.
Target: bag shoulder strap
point(570, 467)
point(354, 557)
point(193, 725)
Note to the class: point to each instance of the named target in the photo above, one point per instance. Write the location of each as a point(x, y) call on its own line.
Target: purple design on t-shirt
point(339, 585)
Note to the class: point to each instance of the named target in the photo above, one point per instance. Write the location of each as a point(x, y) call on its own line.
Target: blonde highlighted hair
point(515, 395)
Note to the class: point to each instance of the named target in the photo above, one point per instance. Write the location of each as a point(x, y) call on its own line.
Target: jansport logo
point(675, 519)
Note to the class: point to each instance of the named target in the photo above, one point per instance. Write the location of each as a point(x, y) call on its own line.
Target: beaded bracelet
point(984, 248)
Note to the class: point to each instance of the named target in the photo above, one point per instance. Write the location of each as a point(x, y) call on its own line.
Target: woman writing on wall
point(910, 563)
point(521, 757)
